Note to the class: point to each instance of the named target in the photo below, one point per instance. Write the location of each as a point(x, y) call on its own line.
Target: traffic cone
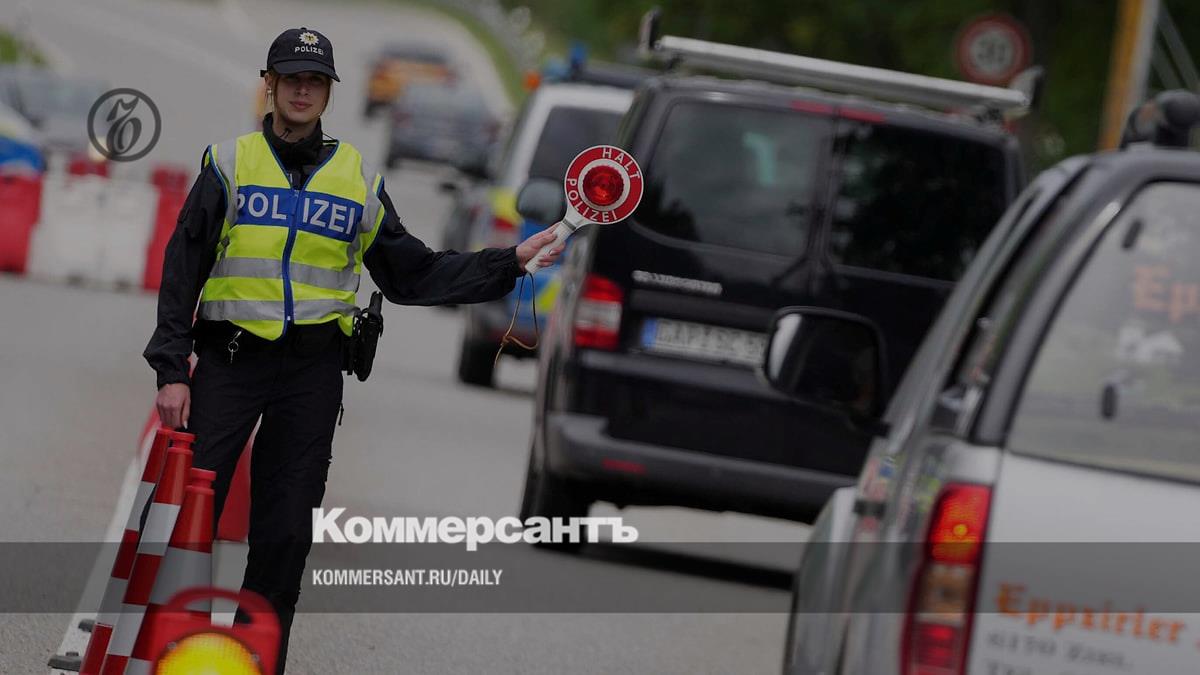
point(186, 564)
point(160, 523)
point(114, 592)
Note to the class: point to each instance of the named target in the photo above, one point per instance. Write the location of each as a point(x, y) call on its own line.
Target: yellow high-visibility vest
point(287, 255)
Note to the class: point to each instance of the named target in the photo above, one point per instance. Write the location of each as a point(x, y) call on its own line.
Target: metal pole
point(1133, 48)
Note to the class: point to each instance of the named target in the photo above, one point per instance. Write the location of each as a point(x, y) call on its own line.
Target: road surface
point(414, 441)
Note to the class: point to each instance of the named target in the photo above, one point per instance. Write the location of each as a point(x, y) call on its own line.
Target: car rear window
point(915, 202)
point(1116, 382)
point(734, 176)
point(435, 97)
point(569, 130)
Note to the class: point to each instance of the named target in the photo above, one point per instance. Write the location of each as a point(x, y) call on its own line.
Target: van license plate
point(703, 342)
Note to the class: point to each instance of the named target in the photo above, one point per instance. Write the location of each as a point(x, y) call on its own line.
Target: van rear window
point(567, 132)
point(734, 176)
point(915, 202)
point(1116, 383)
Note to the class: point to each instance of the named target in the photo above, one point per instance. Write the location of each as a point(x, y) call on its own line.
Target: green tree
point(1070, 38)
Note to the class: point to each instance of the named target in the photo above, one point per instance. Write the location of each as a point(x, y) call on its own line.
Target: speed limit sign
point(992, 49)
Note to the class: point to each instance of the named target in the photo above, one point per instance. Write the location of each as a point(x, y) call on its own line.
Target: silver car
point(55, 105)
point(1028, 506)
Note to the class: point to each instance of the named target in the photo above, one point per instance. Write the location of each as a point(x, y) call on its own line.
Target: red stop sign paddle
point(603, 185)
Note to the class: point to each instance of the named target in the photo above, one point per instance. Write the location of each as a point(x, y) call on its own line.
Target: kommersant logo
point(472, 530)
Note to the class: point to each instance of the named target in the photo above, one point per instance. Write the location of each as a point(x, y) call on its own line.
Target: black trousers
point(295, 384)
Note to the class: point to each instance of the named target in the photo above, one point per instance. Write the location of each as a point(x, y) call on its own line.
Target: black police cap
point(299, 49)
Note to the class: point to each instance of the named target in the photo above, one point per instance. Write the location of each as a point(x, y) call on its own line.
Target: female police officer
point(271, 241)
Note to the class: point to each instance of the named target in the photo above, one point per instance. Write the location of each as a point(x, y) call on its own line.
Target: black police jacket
point(405, 269)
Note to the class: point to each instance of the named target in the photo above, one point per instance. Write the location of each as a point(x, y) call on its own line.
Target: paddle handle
point(561, 232)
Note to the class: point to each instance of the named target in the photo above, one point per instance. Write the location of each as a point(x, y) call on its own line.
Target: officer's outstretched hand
point(529, 248)
point(174, 403)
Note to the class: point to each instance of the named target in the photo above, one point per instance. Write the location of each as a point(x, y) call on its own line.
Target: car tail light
point(622, 466)
point(598, 315)
point(937, 628)
point(862, 115)
point(504, 232)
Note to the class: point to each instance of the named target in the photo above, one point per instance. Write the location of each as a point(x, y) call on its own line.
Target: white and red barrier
point(20, 203)
point(166, 213)
point(83, 225)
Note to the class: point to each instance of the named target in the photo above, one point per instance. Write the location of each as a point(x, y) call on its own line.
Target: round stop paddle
point(603, 185)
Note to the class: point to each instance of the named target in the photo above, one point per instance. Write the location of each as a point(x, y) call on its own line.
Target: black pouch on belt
point(360, 348)
point(312, 339)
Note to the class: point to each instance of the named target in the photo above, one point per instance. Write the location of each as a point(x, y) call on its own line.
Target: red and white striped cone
point(114, 593)
point(164, 510)
point(187, 563)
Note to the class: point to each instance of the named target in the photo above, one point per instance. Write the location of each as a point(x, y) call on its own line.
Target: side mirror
point(830, 359)
point(541, 200)
point(475, 166)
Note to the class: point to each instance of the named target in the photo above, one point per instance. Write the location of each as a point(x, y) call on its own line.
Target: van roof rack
point(879, 83)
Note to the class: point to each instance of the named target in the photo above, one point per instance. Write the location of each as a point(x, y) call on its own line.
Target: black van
point(757, 196)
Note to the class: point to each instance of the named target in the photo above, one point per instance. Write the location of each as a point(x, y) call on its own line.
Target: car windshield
point(434, 97)
point(414, 53)
point(569, 130)
point(734, 176)
point(915, 202)
point(45, 96)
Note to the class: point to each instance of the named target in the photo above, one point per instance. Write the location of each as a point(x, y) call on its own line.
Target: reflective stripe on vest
point(287, 255)
point(265, 310)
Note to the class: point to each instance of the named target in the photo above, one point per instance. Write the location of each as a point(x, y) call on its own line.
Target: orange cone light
point(186, 643)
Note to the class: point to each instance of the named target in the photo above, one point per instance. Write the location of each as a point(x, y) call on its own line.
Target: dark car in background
point(444, 123)
point(757, 196)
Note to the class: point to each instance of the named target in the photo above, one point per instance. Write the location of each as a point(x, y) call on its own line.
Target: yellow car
point(399, 65)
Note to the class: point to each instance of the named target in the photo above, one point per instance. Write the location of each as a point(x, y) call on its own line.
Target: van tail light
point(504, 233)
point(937, 628)
point(598, 315)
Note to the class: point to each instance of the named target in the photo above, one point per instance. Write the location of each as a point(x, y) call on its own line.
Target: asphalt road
point(414, 442)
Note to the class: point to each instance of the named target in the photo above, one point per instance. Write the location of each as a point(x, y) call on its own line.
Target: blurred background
point(432, 91)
